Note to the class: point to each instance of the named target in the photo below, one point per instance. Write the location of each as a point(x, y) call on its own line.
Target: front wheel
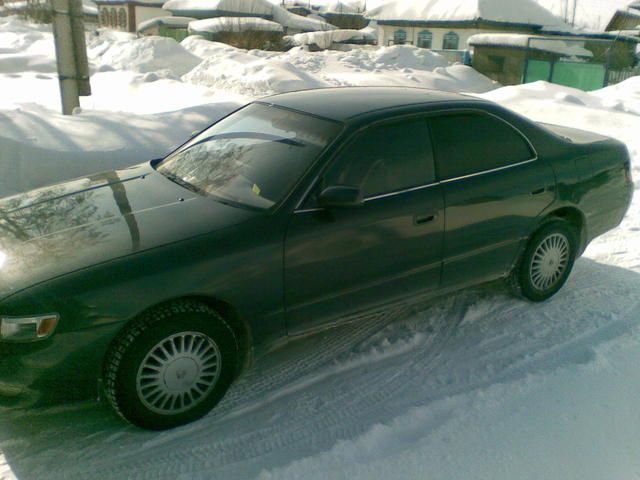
point(170, 366)
point(546, 263)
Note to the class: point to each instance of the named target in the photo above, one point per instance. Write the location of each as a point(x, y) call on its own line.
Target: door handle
point(539, 191)
point(423, 219)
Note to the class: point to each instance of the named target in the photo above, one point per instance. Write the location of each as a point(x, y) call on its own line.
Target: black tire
point(187, 329)
point(525, 279)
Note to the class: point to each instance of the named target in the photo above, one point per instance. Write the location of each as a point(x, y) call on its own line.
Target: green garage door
point(585, 76)
point(538, 70)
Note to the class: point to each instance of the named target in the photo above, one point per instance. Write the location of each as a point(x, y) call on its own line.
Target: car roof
point(345, 103)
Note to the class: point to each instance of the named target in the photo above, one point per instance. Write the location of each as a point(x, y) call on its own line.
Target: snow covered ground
point(475, 385)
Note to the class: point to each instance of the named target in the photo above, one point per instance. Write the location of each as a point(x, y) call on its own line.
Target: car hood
point(56, 230)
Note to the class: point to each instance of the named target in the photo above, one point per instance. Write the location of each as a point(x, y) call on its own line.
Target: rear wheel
point(546, 262)
point(170, 366)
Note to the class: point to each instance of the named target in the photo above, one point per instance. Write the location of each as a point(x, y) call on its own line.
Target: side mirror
point(340, 196)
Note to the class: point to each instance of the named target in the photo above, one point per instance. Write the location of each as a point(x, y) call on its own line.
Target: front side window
point(471, 143)
point(386, 159)
point(122, 19)
point(451, 41)
point(425, 39)
point(400, 37)
point(252, 158)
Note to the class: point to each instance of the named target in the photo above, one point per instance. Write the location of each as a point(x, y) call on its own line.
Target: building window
point(122, 19)
point(399, 37)
point(113, 18)
point(451, 41)
point(496, 63)
point(425, 39)
point(104, 17)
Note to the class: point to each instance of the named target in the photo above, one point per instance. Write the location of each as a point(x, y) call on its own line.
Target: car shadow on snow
point(302, 399)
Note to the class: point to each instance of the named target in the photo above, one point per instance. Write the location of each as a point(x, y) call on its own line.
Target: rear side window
point(386, 159)
point(470, 143)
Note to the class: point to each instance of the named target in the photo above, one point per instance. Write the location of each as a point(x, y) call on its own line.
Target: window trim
point(426, 116)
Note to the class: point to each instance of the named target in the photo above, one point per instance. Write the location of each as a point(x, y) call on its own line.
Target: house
point(290, 22)
point(628, 19)
point(344, 15)
point(448, 24)
point(241, 32)
point(127, 15)
point(588, 61)
point(173, 27)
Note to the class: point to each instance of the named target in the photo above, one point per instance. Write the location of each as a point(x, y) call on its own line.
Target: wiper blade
point(183, 183)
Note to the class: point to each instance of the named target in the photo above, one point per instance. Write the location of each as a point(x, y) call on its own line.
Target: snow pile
point(36, 153)
point(257, 77)
point(25, 48)
point(147, 54)
point(234, 24)
point(513, 11)
point(259, 73)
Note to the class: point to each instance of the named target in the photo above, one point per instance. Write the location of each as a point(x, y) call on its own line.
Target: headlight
point(27, 329)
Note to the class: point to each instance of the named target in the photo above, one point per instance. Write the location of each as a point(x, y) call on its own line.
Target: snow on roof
point(325, 39)
point(338, 7)
point(246, 8)
point(169, 21)
point(522, 12)
point(234, 24)
point(239, 8)
point(515, 40)
point(298, 22)
point(155, 3)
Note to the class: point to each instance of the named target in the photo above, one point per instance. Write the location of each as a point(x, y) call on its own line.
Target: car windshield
point(252, 158)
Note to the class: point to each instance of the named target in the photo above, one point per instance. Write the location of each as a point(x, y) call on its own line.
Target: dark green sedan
point(157, 285)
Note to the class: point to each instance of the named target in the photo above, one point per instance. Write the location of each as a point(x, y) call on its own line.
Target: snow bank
point(258, 73)
point(147, 54)
point(40, 147)
point(255, 78)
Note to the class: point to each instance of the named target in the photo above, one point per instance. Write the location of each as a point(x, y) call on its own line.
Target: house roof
point(169, 21)
point(517, 12)
point(245, 8)
point(338, 7)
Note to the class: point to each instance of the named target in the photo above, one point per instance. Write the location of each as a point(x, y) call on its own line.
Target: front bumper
point(63, 368)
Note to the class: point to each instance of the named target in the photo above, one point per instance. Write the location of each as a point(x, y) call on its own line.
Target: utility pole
point(573, 17)
point(71, 52)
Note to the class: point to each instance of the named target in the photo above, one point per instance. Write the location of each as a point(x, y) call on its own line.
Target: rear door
point(494, 187)
point(346, 260)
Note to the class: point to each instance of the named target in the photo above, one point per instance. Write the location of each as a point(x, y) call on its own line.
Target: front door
point(346, 260)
